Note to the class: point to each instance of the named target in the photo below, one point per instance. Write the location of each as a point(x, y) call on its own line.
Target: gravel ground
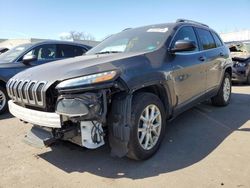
point(204, 147)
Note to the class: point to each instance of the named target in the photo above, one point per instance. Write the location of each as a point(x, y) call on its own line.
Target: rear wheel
point(148, 126)
point(3, 100)
point(224, 95)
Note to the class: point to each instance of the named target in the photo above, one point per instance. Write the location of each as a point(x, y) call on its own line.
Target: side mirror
point(27, 59)
point(183, 46)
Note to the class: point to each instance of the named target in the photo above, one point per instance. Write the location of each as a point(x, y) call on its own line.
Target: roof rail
point(126, 29)
point(190, 21)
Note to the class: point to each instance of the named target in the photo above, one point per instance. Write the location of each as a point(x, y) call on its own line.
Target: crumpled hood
point(75, 67)
point(240, 56)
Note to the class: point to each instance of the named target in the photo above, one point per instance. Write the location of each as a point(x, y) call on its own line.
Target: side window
point(44, 52)
point(217, 40)
point(79, 51)
point(186, 33)
point(206, 39)
point(67, 51)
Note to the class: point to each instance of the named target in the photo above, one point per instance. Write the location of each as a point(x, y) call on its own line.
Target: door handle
point(222, 55)
point(202, 58)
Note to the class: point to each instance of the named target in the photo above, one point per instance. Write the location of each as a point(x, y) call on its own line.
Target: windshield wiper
point(108, 52)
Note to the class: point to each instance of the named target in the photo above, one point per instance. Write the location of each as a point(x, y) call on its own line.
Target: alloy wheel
point(149, 127)
point(2, 100)
point(226, 89)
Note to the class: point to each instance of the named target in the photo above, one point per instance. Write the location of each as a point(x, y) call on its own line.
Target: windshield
point(133, 40)
point(12, 54)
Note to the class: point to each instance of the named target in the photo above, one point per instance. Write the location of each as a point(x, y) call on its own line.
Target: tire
point(224, 95)
point(140, 103)
point(3, 100)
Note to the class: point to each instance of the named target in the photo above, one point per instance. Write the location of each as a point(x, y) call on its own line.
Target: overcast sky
point(48, 18)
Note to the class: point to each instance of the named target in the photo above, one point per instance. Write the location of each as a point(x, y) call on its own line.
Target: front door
point(188, 69)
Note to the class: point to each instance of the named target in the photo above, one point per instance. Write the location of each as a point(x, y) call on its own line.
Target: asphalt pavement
point(205, 146)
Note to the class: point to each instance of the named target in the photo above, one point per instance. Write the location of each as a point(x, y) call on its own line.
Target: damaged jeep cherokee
point(124, 89)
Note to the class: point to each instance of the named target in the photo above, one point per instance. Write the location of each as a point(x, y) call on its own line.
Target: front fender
point(156, 78)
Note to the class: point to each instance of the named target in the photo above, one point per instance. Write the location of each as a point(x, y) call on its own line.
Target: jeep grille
point(27, 92)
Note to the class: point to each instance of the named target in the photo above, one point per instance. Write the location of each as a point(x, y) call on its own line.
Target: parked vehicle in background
point(127, 87)
point(2, 50)
point(33, 54)
point(240, 52)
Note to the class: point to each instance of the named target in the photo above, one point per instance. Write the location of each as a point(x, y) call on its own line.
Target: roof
point(60, 42)
point(10, 43)
point(172, 25)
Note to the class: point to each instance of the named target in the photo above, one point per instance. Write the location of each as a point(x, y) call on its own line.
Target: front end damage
point(241, 61)
point(82, 117)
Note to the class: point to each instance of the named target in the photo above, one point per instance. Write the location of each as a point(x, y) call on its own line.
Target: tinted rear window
point(206, 39)
point(65, 51)
point(217, 40)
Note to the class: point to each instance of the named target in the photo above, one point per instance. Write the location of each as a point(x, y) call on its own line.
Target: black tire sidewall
point(6, 104)
point(219, 100)
point(140, 102)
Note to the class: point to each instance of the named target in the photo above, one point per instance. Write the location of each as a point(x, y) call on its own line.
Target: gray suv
point(125, 88)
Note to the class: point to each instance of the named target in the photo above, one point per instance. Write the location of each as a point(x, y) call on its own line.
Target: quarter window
point(217, 40)
point(186, 33)
point(206, 39)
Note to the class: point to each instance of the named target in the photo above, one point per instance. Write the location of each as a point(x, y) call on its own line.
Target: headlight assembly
point(86, 80)
point(238, 64)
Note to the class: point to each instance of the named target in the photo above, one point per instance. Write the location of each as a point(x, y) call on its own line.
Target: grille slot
point(22, 90)
point(30, 91)
point(27, 92)
point(39, 92)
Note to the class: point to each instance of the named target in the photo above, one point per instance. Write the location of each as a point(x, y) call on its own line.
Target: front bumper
point(35, 117)
point(239, 74)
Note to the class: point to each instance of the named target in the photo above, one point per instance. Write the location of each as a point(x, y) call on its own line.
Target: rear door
point(188, 69)
point(214, 57)
point(68, 51)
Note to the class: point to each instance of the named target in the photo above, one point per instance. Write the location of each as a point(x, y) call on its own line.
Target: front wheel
point(148, 122)
point(224, 95)
point(3, 100)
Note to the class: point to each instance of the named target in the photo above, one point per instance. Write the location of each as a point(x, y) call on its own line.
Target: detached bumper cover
point(39, 137)
point(35, 117)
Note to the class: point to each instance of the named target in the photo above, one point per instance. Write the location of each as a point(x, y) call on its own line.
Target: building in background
point(1, 40)
point(236, 36)
point(10, 43)
point(88, 42)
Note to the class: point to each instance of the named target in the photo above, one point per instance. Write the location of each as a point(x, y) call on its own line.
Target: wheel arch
point(2, 83)
point(120, 115)
point(229, 70)
point(160, 91)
